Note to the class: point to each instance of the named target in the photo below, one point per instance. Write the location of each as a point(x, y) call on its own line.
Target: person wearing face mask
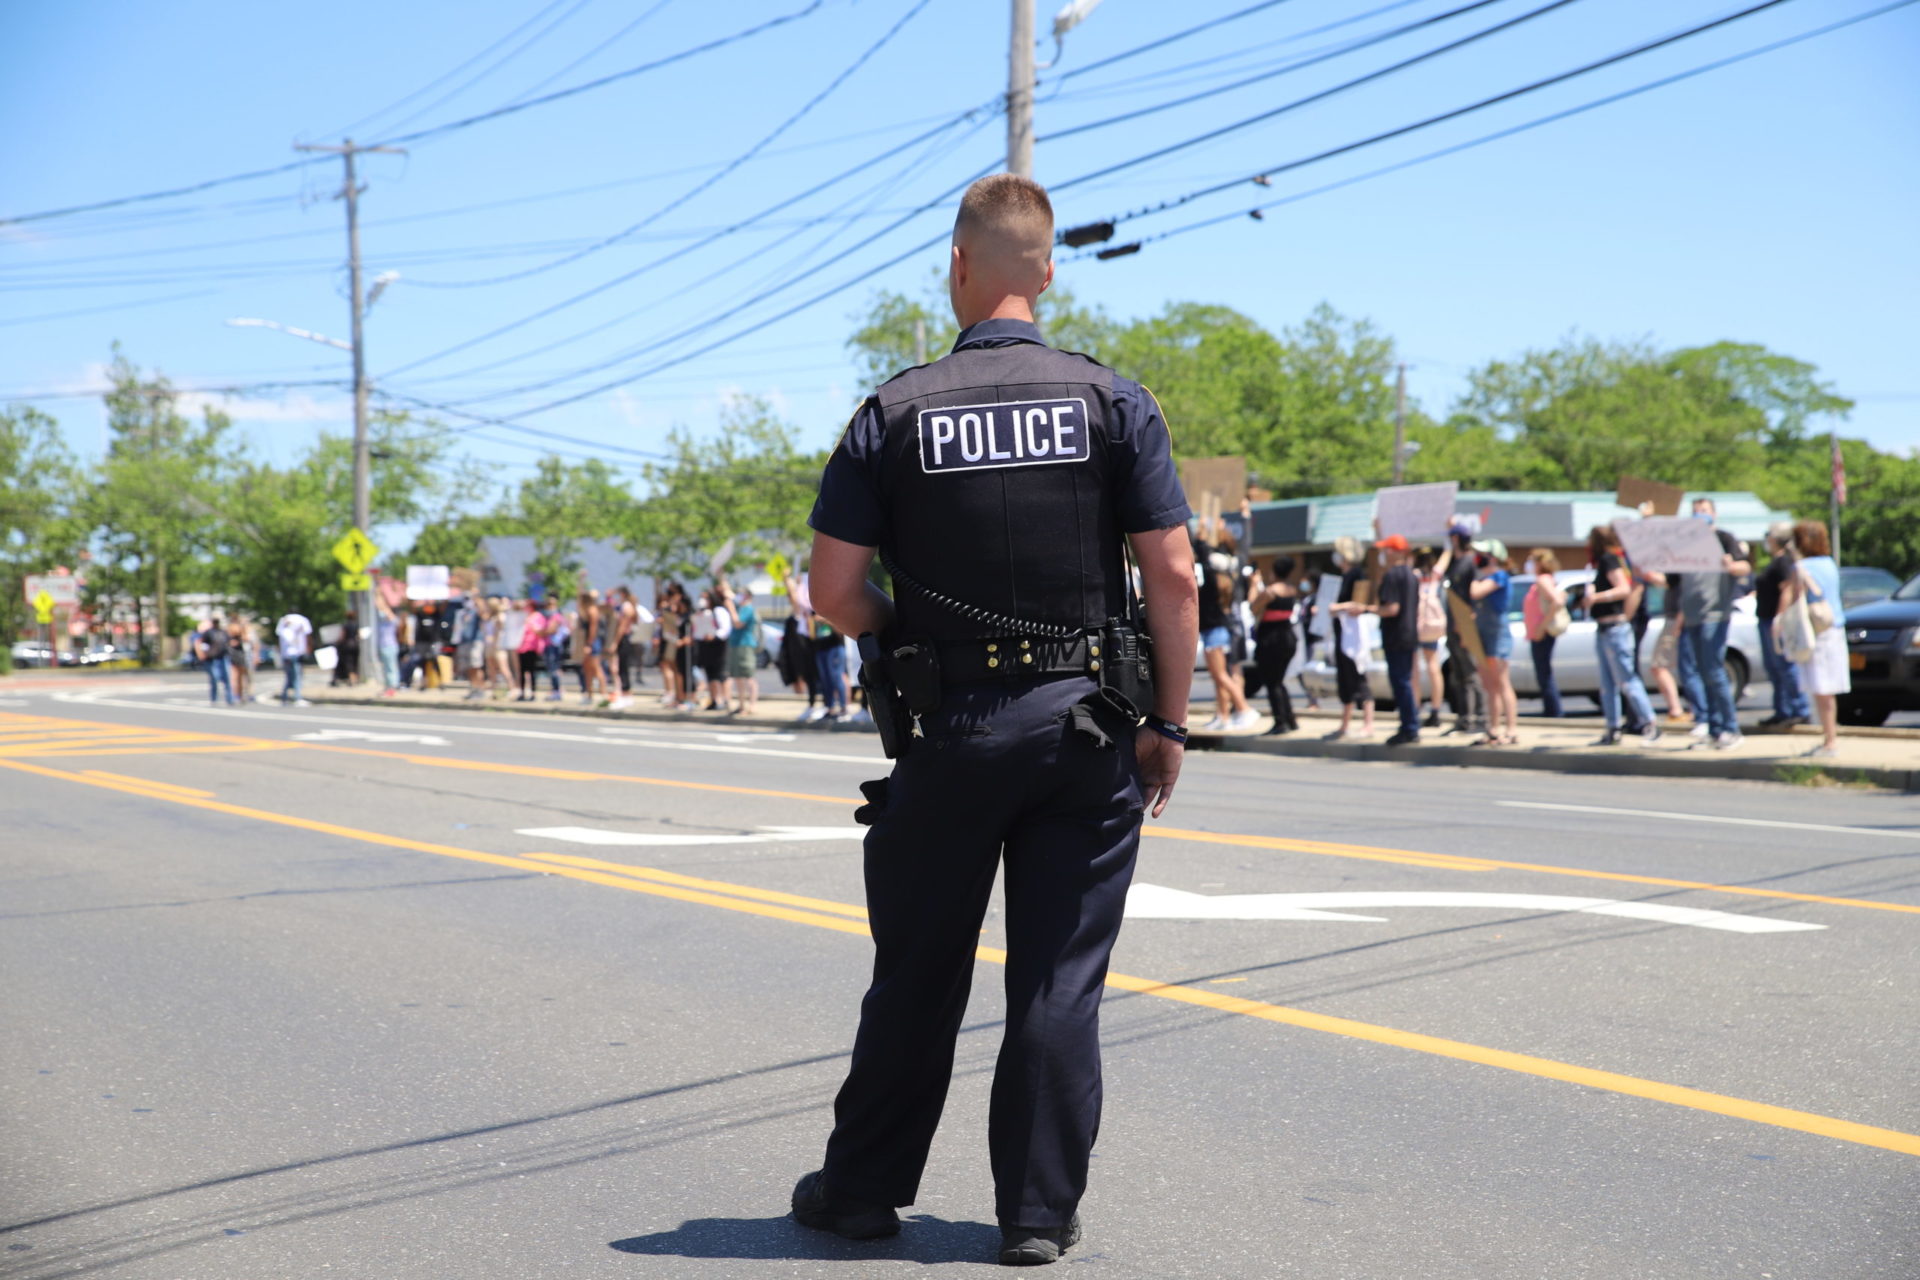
point(1705, 615)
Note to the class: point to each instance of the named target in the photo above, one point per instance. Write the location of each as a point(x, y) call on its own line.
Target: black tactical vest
point(998, 486)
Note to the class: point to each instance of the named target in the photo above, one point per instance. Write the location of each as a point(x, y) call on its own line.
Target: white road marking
point(361, 735)
point(1155, 902)
point(736, 735)
point(1706, 817)
point(664, 743)
point(767, 835)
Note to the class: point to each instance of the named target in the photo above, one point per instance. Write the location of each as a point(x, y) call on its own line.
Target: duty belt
point(1014, 657)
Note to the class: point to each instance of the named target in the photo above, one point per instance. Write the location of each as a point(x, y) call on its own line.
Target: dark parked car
point(1862, 585)
point(1883, 648)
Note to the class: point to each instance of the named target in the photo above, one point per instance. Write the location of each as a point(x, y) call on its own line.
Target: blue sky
point(1771, 201)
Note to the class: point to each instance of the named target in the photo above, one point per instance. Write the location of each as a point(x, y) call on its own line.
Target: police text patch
point(1024, 433)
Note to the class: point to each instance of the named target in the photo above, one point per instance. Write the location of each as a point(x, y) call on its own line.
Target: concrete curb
point(1627, 763)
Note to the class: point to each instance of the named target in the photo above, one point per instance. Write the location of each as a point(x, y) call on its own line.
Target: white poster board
point(63, 587)
point(1324, 598)
point(427, 582)
point(1671, 544)
point(1417, 512)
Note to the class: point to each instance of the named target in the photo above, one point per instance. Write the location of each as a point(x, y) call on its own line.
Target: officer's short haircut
point(1008, 206)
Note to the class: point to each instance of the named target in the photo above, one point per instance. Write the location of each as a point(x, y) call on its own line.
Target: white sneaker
point(1701, 729)
point(859, 716)
point(301, 702)
point(1247, 719)
point(1215, 725)
point(1726, 741)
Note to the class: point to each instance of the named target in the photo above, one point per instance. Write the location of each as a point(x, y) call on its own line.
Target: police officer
point(1003, 486)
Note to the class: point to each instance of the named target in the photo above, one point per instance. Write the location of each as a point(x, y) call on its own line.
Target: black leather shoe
point(817, 1207)
point(1037, 1246)
point(1403, 739)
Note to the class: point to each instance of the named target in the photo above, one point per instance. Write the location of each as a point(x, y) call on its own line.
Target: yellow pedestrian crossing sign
point(43, 606)
point(778, 568)
point(355, 551)
point(355, 582)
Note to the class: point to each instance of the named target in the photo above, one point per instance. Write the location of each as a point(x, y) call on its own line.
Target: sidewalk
point(1885, 758)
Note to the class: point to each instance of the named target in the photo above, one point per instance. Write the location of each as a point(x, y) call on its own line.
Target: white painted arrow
point(766, 835)
point(1155, 902)
point(361, 735)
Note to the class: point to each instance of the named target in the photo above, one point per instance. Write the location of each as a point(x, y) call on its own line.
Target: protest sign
point(1671, 544)
point(427, 582)
point(1417, 512)
point(1468, 627)
point(1224, 478)
point(1665, 498)
point(1323, 602)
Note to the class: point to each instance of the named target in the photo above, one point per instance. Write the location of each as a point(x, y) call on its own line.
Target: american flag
point(1839, 474)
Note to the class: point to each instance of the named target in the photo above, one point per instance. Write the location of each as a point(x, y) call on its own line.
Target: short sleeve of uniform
point(849, 506)
point(1146, 481)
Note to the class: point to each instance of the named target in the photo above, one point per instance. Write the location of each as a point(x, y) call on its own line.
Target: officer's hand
point(1159, 759)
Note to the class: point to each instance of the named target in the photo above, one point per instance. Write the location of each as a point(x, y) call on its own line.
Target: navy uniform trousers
point(1002, 771)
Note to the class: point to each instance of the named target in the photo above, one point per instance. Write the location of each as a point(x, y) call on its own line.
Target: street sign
point(355, 582)
point(63, 587)
point(355, 551)
point(779, 569)
point(43, 606)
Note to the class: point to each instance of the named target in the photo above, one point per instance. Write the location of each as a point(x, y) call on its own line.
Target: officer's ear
point(1047, 281)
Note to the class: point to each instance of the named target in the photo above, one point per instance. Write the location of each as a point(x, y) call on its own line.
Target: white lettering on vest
point(1062, 430)
point(941, 426)
point(971, 448)
point(994, 451)
point(1035, 445)
point(1018, 433)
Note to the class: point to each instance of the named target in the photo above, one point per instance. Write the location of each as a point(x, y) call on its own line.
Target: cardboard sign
point(1417, 512)
point(1469, 629)
point(1324, 598)
point(1665, 498)
point(1671, 544)
point(427, 582)
point(1224, 478)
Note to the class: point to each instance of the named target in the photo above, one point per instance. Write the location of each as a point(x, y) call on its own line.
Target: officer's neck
point(1012, 307)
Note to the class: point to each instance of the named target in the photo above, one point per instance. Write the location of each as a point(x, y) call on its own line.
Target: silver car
point(1576, 667)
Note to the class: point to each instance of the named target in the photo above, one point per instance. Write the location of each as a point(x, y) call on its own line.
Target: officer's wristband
point(1167, 729)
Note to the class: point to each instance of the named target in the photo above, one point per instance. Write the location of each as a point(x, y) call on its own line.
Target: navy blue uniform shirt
point(849, 506)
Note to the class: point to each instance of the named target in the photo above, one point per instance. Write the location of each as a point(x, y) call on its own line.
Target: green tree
point(750, 483)
point(39, 498)
point(887, 338)
point(277, 527)
point(155, 500)
point(561, 503)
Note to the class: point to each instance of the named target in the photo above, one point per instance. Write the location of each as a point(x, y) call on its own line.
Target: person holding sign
point(1706, 614)
point(1613, 638)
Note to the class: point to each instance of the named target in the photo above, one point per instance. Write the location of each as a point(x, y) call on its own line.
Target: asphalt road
point(299, 992)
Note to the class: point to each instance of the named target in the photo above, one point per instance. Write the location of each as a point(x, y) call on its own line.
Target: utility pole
point(1020, 91)
point(361, 601)
point(1400, 427)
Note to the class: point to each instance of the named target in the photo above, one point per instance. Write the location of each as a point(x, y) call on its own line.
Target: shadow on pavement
point(923, 1238)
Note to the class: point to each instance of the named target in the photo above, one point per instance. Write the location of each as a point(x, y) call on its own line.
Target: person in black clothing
point(1790, 705)
point(1399, 611)
point(1465, 694)
point(1275, 641)
point(1350, 682)
point(346, 667)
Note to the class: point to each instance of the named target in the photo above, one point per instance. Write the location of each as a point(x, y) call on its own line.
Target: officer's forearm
point(840, 590)
point(1173, 616)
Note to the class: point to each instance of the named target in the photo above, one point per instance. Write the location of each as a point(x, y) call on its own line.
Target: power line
point(707, 182)
point(1315, 60)
point(117, 306)
point(726, 314)
point(558, 95)
point(435, 130)
point(504, 59)
point(445, 76)
point(1552, 118)
point(481, 419)
point(1454, 114)
point(590, 54)
point(744, 223)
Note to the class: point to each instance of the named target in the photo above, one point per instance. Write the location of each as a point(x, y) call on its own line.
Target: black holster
point(884, 704)
point(1126, 667)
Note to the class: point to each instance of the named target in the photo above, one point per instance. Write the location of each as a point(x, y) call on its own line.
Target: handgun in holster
point(884, 704)
point(1126, 667)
